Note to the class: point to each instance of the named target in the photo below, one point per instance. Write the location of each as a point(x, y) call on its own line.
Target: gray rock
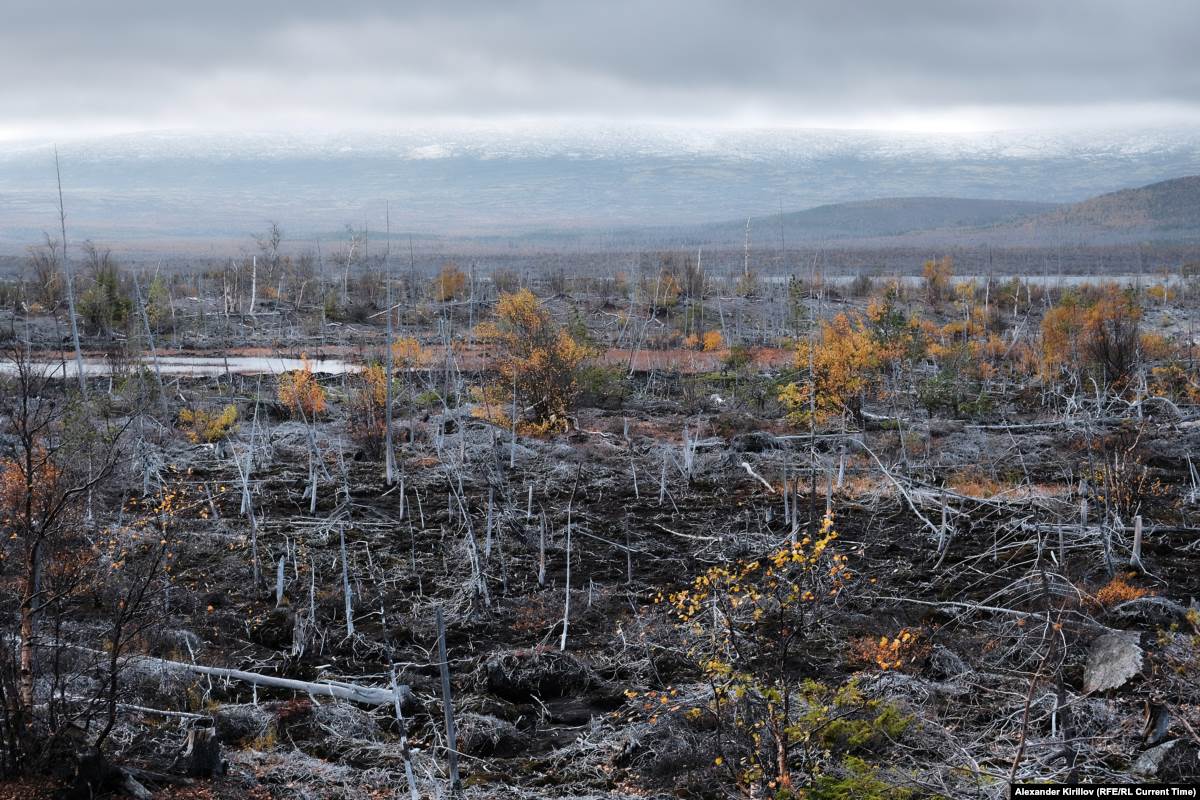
point(1113, 660)
point(1151, 610)
point(1170, 761)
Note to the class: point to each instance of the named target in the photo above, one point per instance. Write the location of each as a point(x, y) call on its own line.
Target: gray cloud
point(79, 66)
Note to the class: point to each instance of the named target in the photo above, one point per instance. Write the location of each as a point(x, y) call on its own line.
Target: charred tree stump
point(203, 753)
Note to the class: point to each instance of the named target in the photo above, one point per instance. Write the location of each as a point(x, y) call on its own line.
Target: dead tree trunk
point(203, 753)
point(389, 444)
point(448, 705)
point(162, 392)
point(1135, 558)
point(400, 721)
point(346, 585)
point(62, 218)
point(279, 584)
point(562, 644)
point(541, 576)
point(253, 282)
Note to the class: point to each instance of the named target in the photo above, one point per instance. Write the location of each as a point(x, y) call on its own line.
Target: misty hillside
point(1167, 210)
point(155, 193)
point(1171, 206)
point(874, 218)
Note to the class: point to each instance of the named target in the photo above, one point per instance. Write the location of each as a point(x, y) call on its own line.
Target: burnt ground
point(537, 721)
point(982, 589)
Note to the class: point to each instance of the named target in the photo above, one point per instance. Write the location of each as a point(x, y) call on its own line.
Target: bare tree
point(62, 219)
point(43, 487)
point(47, 274)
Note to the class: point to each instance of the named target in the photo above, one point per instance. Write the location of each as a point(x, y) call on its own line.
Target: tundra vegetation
point(649, 533)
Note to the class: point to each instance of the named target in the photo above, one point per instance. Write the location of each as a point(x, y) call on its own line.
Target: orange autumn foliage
point(366, 406)
point(846, 362)
point(1118, 591)
point(407, 353)
point(709, 342)
point(1175, 381)
point(449, 283)
point(1098, 333)
point(537, 357)
point(208, 426)
point(24, 497)
point(301, 393)
point(889, 652)
point(937, 275)
point(373, 386)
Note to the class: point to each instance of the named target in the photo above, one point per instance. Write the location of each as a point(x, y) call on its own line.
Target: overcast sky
point(90, 67)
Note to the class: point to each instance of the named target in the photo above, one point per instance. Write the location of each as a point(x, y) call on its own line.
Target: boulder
point(1150, 611)
point(1169, 762)
point(1113, 660)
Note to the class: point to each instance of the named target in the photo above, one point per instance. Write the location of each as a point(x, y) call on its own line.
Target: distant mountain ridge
point(1163, 211)
point(893, 216)
point(1166, 206)
point(628, 186)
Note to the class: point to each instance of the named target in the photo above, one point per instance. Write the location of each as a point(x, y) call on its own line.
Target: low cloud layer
point(84, 67)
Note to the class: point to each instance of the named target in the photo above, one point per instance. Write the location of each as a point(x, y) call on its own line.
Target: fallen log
point(366, 695)
point(352, 692)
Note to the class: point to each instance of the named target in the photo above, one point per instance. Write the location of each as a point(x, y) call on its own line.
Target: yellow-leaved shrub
point(300, 392)
point(536, 357)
